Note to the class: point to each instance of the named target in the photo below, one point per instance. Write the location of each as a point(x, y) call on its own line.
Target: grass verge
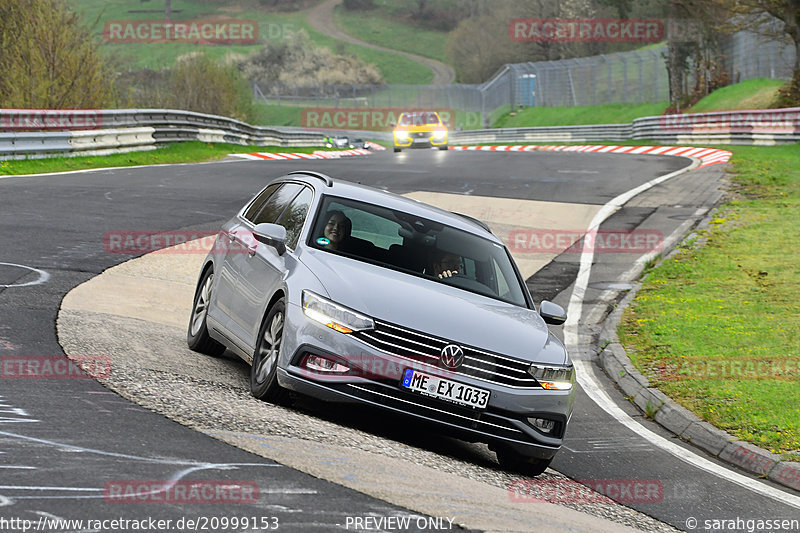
point(758, 93)
point(574, 116)
point(186, 152)
point(717, 326)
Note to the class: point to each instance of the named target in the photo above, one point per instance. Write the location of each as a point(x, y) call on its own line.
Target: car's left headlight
point(333, 315)
point(553, 377)
point(439, 134)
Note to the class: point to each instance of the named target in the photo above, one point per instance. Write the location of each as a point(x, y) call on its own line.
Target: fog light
point(323, 364)
point(542, 424)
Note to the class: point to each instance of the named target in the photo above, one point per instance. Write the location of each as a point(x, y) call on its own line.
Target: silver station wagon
point(350, 294)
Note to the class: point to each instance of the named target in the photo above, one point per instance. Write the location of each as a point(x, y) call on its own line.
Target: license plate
point(445, 389)
point(421, 140)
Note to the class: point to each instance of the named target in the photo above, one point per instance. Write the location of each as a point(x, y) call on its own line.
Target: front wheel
point(513, 461)
point(443, 147)
point(197, 336)
point(396, 149)
point(264, 371)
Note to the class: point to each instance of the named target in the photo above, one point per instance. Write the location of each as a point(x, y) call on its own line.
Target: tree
point(49, 60)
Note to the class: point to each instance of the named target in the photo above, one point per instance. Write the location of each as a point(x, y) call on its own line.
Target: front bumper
point(503, 421)
point(419, 139)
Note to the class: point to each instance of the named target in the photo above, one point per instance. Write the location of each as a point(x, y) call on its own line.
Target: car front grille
point(421, 135)
point(478, 364)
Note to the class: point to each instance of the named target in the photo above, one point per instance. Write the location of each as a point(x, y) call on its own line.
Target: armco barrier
point(761, 127)
point(109, 131)
point(99, 132)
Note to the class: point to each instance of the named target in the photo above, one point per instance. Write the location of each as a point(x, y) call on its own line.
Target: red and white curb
point(707, 156)
point(318, 154)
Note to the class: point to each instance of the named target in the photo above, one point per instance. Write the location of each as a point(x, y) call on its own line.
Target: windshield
point(416, 246)
point(419, 119)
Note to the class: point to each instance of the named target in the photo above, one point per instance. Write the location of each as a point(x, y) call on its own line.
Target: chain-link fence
point(628, 77)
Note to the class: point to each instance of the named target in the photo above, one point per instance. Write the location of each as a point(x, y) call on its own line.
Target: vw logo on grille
point(452, 356)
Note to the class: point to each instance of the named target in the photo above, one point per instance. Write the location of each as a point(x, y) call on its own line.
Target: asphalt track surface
point(62, 439)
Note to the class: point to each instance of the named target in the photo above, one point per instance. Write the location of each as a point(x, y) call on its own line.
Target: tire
point(264, 371)
point(197, 336)
point(443, 147)
point(513, 461)
point(396, 149)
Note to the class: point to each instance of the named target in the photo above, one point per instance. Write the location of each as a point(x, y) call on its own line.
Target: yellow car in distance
point(420, 129)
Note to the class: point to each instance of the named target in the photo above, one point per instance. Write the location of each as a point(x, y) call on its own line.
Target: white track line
point(595, 391)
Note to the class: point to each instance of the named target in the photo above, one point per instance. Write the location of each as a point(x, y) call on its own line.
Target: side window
point(293, 217)
point(259, 202)
point(277, 203)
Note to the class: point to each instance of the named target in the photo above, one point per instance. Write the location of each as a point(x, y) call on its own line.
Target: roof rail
point(474, 220)
point(327, 179)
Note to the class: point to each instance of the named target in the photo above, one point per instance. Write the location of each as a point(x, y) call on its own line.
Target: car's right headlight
point(553, 377)
point(333, 315)
point(401, 134)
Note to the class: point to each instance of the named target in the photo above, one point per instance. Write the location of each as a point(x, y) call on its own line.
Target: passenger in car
point(337, 229)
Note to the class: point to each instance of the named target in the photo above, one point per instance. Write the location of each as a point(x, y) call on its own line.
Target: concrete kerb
point(674, 417)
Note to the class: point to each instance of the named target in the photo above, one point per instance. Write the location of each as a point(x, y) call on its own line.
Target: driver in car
point(445, 264)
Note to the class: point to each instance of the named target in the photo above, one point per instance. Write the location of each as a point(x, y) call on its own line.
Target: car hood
point(435, 308)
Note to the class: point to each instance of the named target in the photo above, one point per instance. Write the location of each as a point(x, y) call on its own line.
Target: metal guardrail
point(762, 127)
point(26, 133)
point(73, 132)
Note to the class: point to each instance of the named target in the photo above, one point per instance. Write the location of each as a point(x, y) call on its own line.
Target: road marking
point(43, 276)
point(595, 391)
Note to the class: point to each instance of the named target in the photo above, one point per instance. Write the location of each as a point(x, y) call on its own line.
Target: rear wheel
point(513, 461)
point(197, 336)
point(264, 371)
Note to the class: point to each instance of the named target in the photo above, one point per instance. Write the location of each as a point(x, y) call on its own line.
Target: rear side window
point(276, 203)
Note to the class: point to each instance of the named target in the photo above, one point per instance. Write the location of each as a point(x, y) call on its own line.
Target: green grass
point(572, 116)
point(186, 152)
point(717, 327)
point(278, 115)
point(272, 26)
point(751, 94)
point(380, 26)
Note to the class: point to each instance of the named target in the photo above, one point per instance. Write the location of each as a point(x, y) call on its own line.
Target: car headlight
point(333, 315)
point(439, 134)
point(553, 377)
point(401, 134)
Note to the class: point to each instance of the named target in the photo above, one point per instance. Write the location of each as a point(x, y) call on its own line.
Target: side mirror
point(552, 313)
point(271, 235)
